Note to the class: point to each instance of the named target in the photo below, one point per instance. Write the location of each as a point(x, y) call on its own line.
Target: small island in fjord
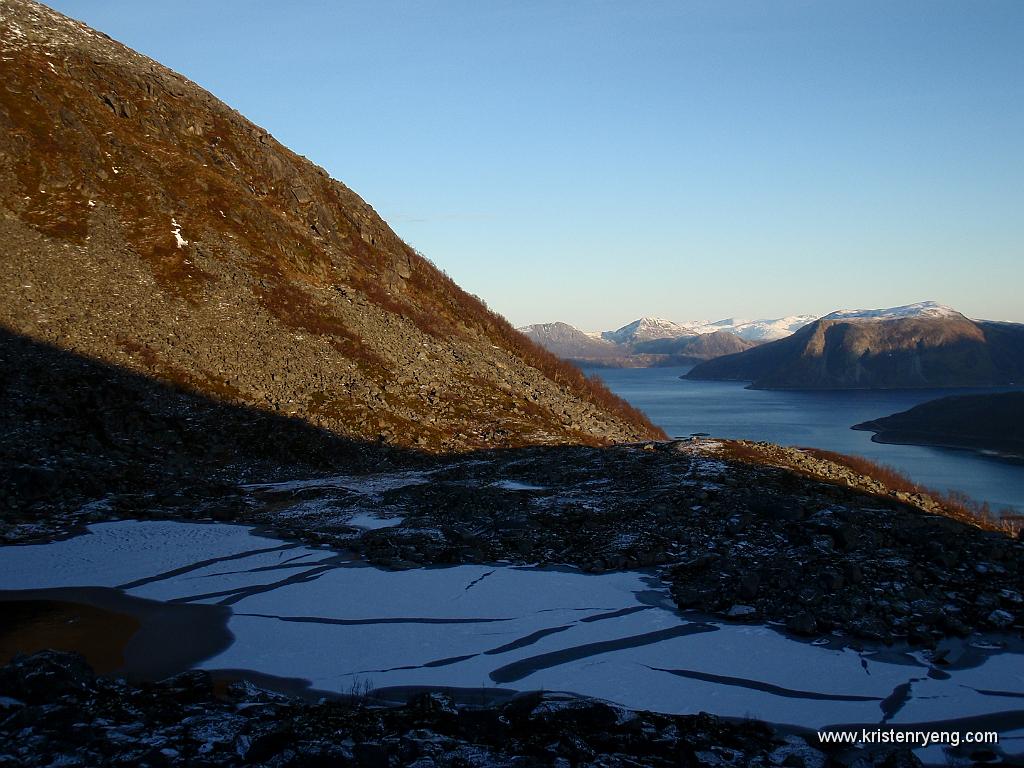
point(990, 422)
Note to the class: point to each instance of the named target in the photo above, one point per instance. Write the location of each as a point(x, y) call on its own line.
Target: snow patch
point(513, 485)
point(176, 231)
point(367, 485)
point(372, 522)
point(765, 330)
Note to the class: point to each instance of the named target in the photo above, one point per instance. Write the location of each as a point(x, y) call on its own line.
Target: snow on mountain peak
point(650, 328)
point(769, 330)
point(646, 329)
point(920, 309)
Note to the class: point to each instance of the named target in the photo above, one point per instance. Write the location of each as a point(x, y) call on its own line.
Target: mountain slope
point(984, 422)
point(148, 226)
point(916, 350)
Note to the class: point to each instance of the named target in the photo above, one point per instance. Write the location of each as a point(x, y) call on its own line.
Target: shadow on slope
point(77, 430)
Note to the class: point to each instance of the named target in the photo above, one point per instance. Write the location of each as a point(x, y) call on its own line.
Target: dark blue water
point(817, 420)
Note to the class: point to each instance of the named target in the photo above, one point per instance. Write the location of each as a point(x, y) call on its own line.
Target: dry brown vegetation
point(957, 503)
point(954, 504)
point(565, 374)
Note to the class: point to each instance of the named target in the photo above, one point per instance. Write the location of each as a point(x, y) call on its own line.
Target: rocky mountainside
point(883, 348)
point(149, 227)
point(982, 422)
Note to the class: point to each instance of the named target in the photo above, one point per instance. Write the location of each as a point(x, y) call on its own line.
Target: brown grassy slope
point(871, 477)
point(290, 294)
point(955, 504)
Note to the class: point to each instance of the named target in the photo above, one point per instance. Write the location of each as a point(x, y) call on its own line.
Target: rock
point(1001, 619)
point(687, 597)
point(749, 584)
point(8, 704)
point(264, 741)
point(831, 579)
point(802, 624)
point(898, 758)
point(120, 107)
point(797, 753)
point(371, 754)
point(44, 677)
point(738, 611)
point(433, 703)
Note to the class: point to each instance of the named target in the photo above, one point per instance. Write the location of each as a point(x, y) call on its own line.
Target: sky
point(596, 161)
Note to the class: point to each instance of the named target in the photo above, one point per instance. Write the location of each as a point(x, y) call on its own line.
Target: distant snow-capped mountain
point(657, 341)
point(920, 309)
point(645, 344)
point(647, 329)
point(916, 345)
point(651, 328)
point(762, 330)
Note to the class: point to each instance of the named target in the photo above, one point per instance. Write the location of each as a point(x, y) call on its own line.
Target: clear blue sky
point(595, 161)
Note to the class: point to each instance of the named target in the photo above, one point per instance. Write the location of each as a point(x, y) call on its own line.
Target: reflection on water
point(816, 419)
point(99, 635)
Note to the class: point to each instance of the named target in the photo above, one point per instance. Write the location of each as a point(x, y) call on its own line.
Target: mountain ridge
point(915, 346)
point(655, 341)
point(653, 345)
point(918, 309)
point(649, 328)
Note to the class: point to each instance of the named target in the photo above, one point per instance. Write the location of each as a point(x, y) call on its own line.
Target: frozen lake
point(317, 619)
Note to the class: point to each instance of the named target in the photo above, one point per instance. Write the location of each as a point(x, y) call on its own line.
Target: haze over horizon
point(698, 161)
